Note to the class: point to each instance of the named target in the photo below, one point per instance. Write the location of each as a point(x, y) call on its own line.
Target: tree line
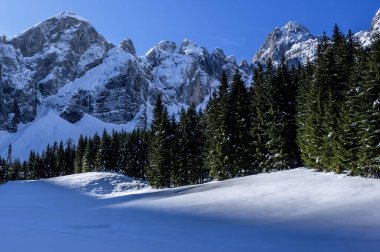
point(324, 115)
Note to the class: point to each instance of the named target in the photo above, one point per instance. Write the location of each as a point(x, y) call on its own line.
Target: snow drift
point(295, 210)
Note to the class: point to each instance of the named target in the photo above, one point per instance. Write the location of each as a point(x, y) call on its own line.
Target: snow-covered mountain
point(295, 42)
point(63, 71)
point(65, 64)
point(367, 37)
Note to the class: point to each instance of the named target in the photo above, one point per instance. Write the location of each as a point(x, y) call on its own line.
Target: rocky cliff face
point(366, 37)
point(38, 62)
point(292, 41)
point(63, 63)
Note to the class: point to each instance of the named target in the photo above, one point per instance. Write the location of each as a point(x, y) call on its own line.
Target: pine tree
point(159, 159)
point(69, 155)
point(15, 170)
point(114, 151)
point(180, 175)
point(9, 162)
point(369, 150)
point(266, 130)
point(239, 129)
point(78, 163)
point(50, 162)
point(308, 118)
point(90, 153)
point(103, 156)
point(350, 116)
point(314, 126)
point(190, 148)
point(61, 162)
point(137, 154)
point(3, 172)
point(218, 158)
point(258, 103)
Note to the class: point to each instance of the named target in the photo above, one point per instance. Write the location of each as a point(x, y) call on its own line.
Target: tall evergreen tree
point(369, 151)
point(239, 127)
point(159, 159)
point(61, 162)
point(69, 157)
point(134, 154)
point(219, 155)
point(103, 156)
point(78, 163)
point(190, 148)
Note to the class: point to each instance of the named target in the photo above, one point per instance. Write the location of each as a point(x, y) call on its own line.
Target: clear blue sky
point(237, 26)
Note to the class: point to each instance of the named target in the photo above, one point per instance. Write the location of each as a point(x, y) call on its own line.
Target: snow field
point(295, 210)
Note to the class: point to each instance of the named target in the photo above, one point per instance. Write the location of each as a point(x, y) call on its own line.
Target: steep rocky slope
point(64, 67)
point(65, 64)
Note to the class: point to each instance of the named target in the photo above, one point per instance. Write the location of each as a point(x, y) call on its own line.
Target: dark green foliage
point(325, 114)
point(69, 155)
point(273, 113)
point(133, 156)
point(78, 162)
point(89, 155)
point(369, 144)
point(338, 111)
point(103, 156)
point(219, 156)
point(239, 127)
point(160, 158)
point(189, 165)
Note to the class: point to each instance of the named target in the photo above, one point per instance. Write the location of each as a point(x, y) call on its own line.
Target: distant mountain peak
point(280, 40)
point(375, 25)
point(366, 38)
point(69, 14)
point(166, 45)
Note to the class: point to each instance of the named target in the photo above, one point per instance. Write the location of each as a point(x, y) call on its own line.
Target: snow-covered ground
point(296, 210)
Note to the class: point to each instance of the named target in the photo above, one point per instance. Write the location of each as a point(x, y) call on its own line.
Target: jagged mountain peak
point(218, 52)
point(64, 31)
point(244, 63)
point(70, 14)
point(295, 27)
point(281, 40)
point(375, 25)
point(128, 46)
point(366, 38)
point(166, 45)
point(187, 42)
point(188, 47)
point(62, 21)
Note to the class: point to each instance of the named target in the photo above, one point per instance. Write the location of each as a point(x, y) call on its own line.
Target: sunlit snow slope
point(296, 210)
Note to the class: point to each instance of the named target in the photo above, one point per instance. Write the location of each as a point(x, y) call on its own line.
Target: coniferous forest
point(323, 115)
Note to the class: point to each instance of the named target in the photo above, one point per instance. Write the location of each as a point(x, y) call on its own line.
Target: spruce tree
point(81, 146)
point(219, 154)
point(159, 159)
point(69, 155)
point(258, 103)
point(88, 160)
point(369, 150)
point(104, 153)
point(9, 162)
point(61, 162)
point(239, 127)
point(190, 148)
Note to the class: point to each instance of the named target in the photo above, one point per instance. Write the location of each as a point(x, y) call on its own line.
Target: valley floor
point(295, 210)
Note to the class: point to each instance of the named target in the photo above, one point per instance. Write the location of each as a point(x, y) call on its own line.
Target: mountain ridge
point(64, 64)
